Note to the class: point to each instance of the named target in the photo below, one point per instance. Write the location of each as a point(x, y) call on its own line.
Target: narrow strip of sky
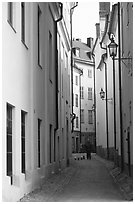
point(85, 16)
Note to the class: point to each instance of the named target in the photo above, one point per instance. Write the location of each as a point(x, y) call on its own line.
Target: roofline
point(83, 61)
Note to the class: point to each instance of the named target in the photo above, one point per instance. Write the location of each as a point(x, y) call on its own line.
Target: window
point(9, 141)
point(76, 100)
point(39, 133)
point(73, 99)
point(23, 115)
point(76, 80)
point(23, 21)
point(127, 14)
point(50, 57)
point(89, 93)
point(54, 145)
point(82, 92)
point(76, 122)
point(39, 36)
point(77, 52)
point(50, 139)
point(82, 115)
point(122, 27)
point(89, 73)
point(90, 118)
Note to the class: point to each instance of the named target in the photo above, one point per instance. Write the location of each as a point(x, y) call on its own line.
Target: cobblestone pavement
point(86, 180)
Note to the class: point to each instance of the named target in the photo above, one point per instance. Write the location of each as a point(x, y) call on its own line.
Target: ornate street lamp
point(112, 48)
point(102, 95)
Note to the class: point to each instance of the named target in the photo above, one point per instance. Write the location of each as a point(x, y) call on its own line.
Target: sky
point(85, 16)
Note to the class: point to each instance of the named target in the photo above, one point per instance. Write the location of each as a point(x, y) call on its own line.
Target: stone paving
point(124, 182)
point(85, 180)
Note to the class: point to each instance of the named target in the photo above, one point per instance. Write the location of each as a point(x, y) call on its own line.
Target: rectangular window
point(122, 27)
point(76, 100)
point(89, 93)
point(39, 36)
point(9, 142)
point(76, 122)
point(50, 57)
point(89, 73)
point(39, 134)
point(77, 52)
point(76, 80)
point(23, 115)
point(90, 117)
point(54, 145)
point(127, 13)
point(82, 92)
point(82, 115)
point(23, 21)
point(50, 139)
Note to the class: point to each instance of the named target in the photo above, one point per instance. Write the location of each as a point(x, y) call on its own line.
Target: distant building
point(83, 90)
point(36, 104)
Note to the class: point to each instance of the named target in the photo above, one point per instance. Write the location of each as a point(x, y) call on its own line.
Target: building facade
point(83, 89)
point(114, 76)
point(36, 103)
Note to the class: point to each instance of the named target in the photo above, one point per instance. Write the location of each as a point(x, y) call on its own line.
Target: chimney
point(90, 42)
point(97, 30)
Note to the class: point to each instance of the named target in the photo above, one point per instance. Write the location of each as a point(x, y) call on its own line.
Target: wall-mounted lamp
point(112, 48)
point(102, 95)
point(72, 116)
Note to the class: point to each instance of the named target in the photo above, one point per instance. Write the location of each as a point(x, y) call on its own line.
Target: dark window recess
point(50, 143)
point(23, 141)
point(23, 21)
point(39, 43)
point(9, 141)
point(39, 129)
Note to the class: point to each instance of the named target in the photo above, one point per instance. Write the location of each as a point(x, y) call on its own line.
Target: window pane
point(23, 162)
point(9, 143)
point(9, 164)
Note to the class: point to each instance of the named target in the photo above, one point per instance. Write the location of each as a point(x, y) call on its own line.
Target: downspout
point(72, 126)
point(120, 88)
point(93, 56)
point(106, 89)
point(80, 107)
point(56, 57)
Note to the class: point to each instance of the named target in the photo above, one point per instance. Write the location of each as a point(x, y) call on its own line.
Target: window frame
point(9, 145)
point(39, 142)
point(90, 117)
point(82, 115)
point(76, 100)
point(89, 93)
point(23, 142)
point(39, 37)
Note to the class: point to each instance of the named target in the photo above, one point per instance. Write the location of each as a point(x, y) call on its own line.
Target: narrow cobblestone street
point(84, 181)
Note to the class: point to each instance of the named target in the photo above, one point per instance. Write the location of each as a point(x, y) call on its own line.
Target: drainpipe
point(107, 135)
point(71, 10)
point(120, 88)
point(80, 107)
point(93, 56)
point(106, 90)
point(56, 57)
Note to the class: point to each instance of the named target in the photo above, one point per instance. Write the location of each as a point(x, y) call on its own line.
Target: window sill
point(11, 26)
point(24, 44)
